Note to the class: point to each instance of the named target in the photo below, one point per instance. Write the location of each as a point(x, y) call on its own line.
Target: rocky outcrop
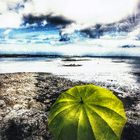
point(26, 98)
point(21, 116)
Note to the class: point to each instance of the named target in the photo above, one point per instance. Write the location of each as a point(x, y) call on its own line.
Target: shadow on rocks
point(50, 87)
point(131, 132)
point(13, 131)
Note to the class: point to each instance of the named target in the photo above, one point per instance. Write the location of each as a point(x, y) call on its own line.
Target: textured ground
point(25, 100)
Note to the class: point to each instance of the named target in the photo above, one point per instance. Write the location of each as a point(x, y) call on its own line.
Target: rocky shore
point(26, 98)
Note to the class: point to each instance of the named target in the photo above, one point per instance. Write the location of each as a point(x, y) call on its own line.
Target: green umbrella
point(87, 113)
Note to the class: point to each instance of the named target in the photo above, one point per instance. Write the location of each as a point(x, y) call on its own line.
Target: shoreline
point(18, 55)
point(25, 100)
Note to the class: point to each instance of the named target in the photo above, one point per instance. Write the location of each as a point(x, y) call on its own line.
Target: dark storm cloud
point(126, 25)
point(56, 20)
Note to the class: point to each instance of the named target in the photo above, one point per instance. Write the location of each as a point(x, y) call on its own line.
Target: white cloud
point(3, 6)
point(10, 20)
point(82, 11)
point(36, 7)
point(93, 11)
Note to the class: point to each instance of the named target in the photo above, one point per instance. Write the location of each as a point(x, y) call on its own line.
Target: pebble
point(2, 104)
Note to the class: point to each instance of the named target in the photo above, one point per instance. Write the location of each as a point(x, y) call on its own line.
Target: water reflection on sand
point(125, 72)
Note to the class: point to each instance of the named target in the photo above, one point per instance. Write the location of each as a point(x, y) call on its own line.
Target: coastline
point(25, 100)
point(53, 55)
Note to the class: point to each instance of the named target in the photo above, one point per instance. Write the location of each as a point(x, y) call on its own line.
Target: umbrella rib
point(65, 101)
point(91, 95)
point(107, 108)
point(89, 122)
point(78, 124)
point(103, 120)
point(103, 98)
point(70, 95)
point(61, 112)
point(64, 125)
point(60, 133)
point(78, 121)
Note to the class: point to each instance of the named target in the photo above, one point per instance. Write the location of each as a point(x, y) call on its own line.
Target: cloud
point(10, 20)
point(94, 11)
point(56, 20)
point(9, 17)
point(82, 11)
point(3, 7)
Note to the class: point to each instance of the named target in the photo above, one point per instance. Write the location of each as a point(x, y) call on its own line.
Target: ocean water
point(112, 57)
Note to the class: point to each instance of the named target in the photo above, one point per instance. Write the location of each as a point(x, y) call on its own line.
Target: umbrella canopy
point(87, 112)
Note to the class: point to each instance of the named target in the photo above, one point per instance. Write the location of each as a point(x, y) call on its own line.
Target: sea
point(113, 57)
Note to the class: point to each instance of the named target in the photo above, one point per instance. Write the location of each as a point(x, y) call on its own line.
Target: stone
point(2, 104)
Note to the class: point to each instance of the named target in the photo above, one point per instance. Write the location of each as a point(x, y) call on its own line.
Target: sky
point(88, 12)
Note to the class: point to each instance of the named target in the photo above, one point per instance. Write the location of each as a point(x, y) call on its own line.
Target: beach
point(26, 98)
point(48, 47)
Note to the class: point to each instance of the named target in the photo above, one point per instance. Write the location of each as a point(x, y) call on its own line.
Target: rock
point(24, 114)
point(21, 116)
point(24, 125)
point(2, 104)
